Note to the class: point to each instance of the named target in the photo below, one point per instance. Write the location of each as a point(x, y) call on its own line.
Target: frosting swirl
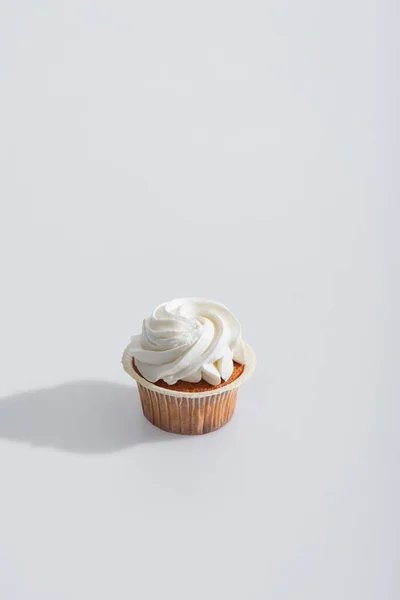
point(188, 339)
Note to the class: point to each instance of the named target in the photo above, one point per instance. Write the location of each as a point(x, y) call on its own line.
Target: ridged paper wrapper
point(189, 413)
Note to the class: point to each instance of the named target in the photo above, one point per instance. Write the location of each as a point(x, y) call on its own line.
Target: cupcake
point(188, 363)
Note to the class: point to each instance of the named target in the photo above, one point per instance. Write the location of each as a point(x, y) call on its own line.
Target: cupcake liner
point(187, 413)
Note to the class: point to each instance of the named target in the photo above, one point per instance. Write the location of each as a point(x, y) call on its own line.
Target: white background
point(241, 151)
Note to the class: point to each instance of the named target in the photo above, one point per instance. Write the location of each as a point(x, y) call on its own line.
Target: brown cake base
point(189, 414)
point(201, 386)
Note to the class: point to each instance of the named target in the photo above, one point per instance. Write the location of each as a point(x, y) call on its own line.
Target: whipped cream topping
point(188, 339)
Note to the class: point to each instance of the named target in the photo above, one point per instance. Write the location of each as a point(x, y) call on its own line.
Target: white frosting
point(188, 339)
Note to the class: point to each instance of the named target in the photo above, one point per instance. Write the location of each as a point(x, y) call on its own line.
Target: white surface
point(258, 142)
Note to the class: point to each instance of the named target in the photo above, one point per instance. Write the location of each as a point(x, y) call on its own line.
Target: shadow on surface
point(85, 417)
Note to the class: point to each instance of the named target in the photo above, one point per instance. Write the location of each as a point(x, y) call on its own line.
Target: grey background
point(242, 151)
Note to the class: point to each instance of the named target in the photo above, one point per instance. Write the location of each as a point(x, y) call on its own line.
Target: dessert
point(189, 362)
